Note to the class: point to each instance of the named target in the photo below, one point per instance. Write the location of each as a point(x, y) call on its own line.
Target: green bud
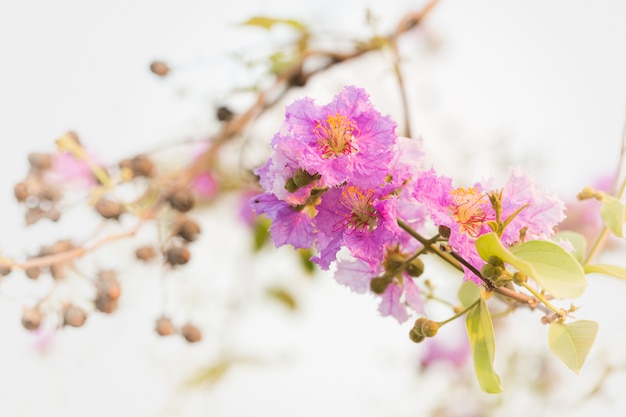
point(415, 268)
point(300, 179)
point(586, 193)
point(393, 261)
point(378, 285)
point(519, 278)
point(488, 271)
point(495, 261)
point(415, 337)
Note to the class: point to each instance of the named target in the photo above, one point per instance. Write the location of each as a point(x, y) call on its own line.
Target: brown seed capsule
point(191, 333)
point(33, 272)
point(159, 68)
point(74, 316)
point(21, 191)
point(31, 318)
point(140, 166)
point(63, 245)
point(5, 270)
point(40, 161)
point(177, 255)
point(188, 230)
point(109, 209)
point(145, 253)
point(444, 231)
point(181, 200)
point(107, 285)
point(49, 193)
point(105, 304)
point(224, 114)
point(58, 270)
point(165, 327)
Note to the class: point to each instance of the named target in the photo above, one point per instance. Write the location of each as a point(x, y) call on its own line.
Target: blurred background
point(490, 84)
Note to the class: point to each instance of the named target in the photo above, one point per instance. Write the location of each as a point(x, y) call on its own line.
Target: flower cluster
point(339, 177)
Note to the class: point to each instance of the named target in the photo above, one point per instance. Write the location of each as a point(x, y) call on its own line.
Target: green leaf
point(269, 22)
point(610, 270)
point(552, 267)
point(571, 342)
point(468, 293)
point(612, 213)
point(482, 340)
point(577, 240)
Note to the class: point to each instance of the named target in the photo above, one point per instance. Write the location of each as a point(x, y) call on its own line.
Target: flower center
point(335, 136)
point(361, 213)
point(468, 211)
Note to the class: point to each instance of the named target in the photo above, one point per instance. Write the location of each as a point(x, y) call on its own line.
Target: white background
point(536, 83)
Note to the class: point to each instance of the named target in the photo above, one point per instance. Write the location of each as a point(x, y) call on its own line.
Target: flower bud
point(224, 114)
point(378, 285)
point(429, 328)
point(488, 271)
point(519, 278)
point(415, 337)
point(495, 261)
point(300, 178)
point(586, 193)
point(33, 272)
point(415, 268)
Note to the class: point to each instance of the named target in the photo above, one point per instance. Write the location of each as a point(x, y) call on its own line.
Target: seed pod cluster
point(165, 327)
point(57, 270)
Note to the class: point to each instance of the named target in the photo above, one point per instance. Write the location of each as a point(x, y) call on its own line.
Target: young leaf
point(468, 293)
point(577, 240)
point(268, 22)
point(571, 342)
point(551, 266)
point(482, 340)
point(610, 270)
point(612, 213)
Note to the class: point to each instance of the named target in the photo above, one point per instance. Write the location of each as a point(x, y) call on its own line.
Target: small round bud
point(444, 232)
point(519, 278)
point(495, 261)
point(107, 285)
point(415, 268)
point(300, 178)
point(74, 316)
point(181, 200)
point(394, 260)
point(31, 318)
point(416, 337)
point(140, 166)
point(378, 285)
point(58, 270)
point(164, 326)
point(224, 114)
point(145, 253)
point(33, 272)
point(105, 304)
point(109, 209)
point(177, 255)
point(21, 191)
point(417, 326)
point(191, 333)
point(188, 230)
point(159, 68)
point(586, 193)
point(488, 271)
point(430, 328)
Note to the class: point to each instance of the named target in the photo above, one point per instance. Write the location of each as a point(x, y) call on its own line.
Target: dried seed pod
point(50, 193)
point(33, 272)
point(177, 255)
point(107, 285)
point(164, 326)
point(191, 333)
point(224, 114)
point(5, 270)
point(40, 161)
point(74, 316)
point(140, 166)
point(145, 253)
point(63, 245)
point(105, 304)
point(58, 270)
point(21, 192)
point(31, 318)
point(181, 200)
point(188, 230)
point(109, 209)
point(159, 68)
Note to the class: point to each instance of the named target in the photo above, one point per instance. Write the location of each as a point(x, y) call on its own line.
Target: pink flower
point(205, 185)
point(67, 169)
